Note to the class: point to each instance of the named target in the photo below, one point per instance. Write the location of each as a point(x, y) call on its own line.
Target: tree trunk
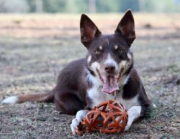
point(39, 6)
point(92, 6)
point(142, 5)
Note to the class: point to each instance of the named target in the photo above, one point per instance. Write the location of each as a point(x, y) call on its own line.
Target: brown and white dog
point(106, 71)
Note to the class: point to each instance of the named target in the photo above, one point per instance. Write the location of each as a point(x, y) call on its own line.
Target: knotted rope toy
point(108, 117)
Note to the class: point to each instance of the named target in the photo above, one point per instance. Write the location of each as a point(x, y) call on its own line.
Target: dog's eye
point(120, 51)
point(97, 52)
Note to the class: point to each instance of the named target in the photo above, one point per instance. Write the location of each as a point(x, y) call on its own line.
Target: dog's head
point(109, 56)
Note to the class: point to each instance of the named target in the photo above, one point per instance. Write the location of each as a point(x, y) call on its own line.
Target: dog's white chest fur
point(97, 96)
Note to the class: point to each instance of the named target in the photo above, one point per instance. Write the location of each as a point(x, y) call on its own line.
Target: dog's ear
point(88, 29)
point(126, 27)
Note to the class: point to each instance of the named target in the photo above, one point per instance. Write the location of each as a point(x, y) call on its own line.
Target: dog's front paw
point(127, 127)
point(74, 125)
point(76, 121)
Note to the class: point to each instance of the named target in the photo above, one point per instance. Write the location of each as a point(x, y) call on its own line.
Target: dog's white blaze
point(133, 113)
point(11, 100)
point(111, 61)
point(89, 58)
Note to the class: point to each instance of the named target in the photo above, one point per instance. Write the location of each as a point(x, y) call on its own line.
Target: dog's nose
point(110, 68)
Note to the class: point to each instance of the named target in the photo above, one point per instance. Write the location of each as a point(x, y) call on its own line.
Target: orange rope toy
point(107, 117)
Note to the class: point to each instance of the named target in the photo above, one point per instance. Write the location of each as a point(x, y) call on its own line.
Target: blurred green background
point(88, 6)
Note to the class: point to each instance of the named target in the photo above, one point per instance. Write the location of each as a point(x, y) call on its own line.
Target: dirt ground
point(34, 48)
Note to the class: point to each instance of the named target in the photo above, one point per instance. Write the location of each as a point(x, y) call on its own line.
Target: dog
point(105, 73)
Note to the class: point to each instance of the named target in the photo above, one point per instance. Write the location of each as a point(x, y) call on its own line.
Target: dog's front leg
point(133, 113)
point(76, 121)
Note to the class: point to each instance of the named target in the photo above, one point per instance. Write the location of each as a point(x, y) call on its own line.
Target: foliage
point(163, 6)
point(129, 4)
point(82, 6)
point(14, 6)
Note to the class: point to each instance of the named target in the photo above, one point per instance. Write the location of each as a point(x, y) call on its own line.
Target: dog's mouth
point(110, 82)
